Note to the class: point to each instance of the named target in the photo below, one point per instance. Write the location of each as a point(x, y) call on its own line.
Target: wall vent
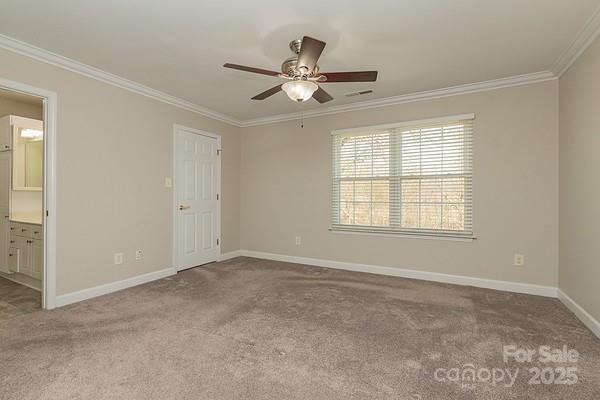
point(352, 94)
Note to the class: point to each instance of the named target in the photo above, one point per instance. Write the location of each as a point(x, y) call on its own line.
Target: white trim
point(230, 255)
point(518, 80)
point(403, 124)
point(50, 116)
point(28, 50)
point(177, 128)
point(96, 291)
point(585, 37)
point(580, 313)
point(407, 235)
point(515, 287)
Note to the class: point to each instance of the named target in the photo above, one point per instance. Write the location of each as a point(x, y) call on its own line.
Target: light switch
point(168, 182)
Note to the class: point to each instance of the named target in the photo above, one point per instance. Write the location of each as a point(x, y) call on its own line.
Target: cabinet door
point(23, 246)
point(4, 242)
point(36, 258)
point(13, 259)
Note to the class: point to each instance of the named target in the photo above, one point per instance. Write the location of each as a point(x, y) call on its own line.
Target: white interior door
point(197, 178)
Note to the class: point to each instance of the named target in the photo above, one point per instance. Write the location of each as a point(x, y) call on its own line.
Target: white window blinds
point(414, 178)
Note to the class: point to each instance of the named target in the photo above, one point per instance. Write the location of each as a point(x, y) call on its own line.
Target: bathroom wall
point(12, 103)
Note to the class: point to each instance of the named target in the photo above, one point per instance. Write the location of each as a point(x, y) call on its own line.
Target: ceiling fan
point(303, 74)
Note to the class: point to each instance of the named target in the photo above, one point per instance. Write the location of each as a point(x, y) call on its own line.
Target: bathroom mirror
point(28, 154)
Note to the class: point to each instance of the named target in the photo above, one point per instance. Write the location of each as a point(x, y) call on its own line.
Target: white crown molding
point(585, 37)
point(28, 50)
point(518, 80)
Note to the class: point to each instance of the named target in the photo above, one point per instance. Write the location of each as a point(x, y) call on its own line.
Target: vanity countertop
point(27, 218)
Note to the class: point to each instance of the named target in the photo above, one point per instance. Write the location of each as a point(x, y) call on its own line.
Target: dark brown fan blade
point(360, 76)
point(267, 93)
point(310, 51)
point(322, 96)
point(251, 69)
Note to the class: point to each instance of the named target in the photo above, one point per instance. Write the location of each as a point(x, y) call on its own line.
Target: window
point(413, 178)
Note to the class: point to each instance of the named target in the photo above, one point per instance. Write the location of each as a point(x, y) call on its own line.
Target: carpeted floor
point(255, 329)
point(17, 299)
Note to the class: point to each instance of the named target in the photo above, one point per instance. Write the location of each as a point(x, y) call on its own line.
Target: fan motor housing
point(289, 66)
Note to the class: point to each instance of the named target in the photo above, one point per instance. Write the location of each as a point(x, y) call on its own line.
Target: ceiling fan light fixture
point(299, 90)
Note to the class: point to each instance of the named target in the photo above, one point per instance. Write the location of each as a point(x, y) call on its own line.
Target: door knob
point(183, 207)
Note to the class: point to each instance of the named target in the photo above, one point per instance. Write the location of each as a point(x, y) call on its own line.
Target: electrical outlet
point(298, 240)
point(519, 260)
point(138, 255)
point(168, 182)
point(118, 258)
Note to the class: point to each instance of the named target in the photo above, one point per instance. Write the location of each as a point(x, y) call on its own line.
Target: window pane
point(381, 214)
point(431, 151)
point(346, 213)
point(431, 190)
point(411, 154)
point(362, 191)
point(454, 190)
point(347, 191)
point(453, 217)
point(410, 215)
point(362, 213)
point(381, 191)
point(431, 216)
point(364, 156)
point(410, 190)
point(381, 155)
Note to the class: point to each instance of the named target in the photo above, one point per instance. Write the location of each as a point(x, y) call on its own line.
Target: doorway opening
point(27, 206)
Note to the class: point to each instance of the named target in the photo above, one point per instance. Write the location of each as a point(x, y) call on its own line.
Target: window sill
point(407, 235)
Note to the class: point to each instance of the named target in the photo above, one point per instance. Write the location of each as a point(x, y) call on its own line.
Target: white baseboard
point(96, 291)
point(580, 312)
point(230, 255)
point(516, 287)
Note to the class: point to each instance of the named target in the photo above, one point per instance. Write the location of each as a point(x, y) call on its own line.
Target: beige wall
point(23, 201)
point(579, 181)
point(12, 107)
point(115, 148)
point(114, 151)
point(285, 186)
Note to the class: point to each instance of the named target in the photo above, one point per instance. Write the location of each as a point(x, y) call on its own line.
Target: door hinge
point(219, 152)
point(217, 196)
point(217, 241)
point(46, 213)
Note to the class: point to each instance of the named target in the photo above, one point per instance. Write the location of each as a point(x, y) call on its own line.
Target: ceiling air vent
point(352, 94)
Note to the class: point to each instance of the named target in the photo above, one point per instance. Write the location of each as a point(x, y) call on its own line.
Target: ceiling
point(179, 46)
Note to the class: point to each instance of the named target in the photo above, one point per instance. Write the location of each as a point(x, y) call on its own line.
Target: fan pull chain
point(302, 119)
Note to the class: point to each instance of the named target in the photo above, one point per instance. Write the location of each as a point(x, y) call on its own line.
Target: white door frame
point(177, 128)
point(50, 116)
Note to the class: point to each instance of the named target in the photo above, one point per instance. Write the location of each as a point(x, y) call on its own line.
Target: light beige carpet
point(255, 329)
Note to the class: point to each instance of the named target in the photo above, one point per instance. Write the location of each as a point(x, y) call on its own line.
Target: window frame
point(395, 217)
